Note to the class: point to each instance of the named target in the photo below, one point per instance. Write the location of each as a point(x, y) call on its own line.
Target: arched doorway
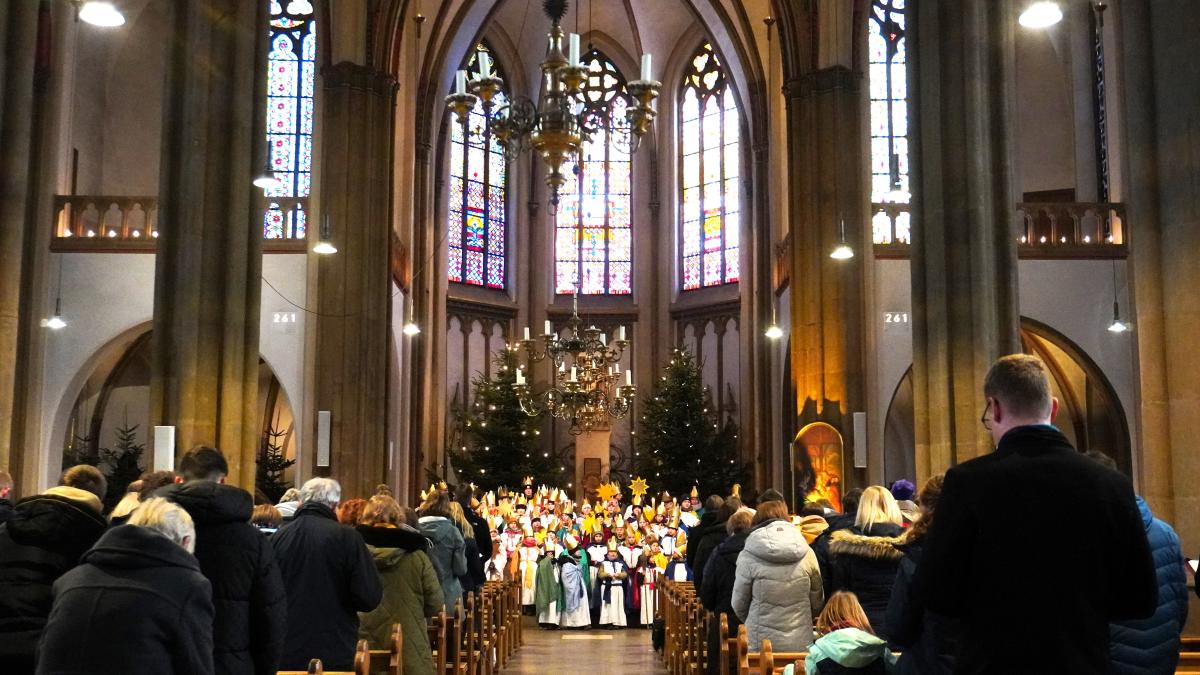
point(108, 422)
point(1090, 413)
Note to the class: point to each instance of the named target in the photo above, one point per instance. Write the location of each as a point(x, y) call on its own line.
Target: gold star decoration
point(638, 487)
point(607, 491)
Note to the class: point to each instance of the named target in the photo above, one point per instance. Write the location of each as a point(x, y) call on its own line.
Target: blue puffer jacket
point(1151, 646)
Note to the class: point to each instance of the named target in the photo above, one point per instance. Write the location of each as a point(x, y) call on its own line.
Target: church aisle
point(595, 651)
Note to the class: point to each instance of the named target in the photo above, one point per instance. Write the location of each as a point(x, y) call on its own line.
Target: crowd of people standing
point(188, 575)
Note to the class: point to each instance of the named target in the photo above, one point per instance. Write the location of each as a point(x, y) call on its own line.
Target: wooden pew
point(1189, 663)
point(362, 664)
point(389, 661)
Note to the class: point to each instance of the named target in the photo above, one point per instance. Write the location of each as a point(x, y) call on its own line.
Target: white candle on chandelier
point(645, 66)
point(485, 64)
point(526, 332)
point(573, 50)
point(574, 375)
point(604, 339)
point(621, 333)
point(520, 377)
point(460, 82)
point(629, 378)
point(549, 328)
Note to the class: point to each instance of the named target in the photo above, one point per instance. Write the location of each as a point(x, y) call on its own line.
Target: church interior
point(844, 210)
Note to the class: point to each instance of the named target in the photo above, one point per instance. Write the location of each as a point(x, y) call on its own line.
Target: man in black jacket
point(6, 486)
point(40, 542)
point(469, 501)
point(238, 561)
point(1031, 598)
point(136, 604)
point(329, 575)
point(843, 521)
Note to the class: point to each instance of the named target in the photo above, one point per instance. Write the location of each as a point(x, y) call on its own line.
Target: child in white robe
point(613, 588)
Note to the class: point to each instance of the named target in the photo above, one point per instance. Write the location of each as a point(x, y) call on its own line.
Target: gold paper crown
point(612, 543)
point(527, 480)
point(695, 492)
point(737, 490)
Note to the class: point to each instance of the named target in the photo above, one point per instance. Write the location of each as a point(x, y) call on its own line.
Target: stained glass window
point(594, 242)
point(890, 191)
point(709, 177)
point(477, 215)
point(291, 77)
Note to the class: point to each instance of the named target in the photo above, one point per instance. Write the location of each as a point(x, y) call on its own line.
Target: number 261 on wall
point(895, 317)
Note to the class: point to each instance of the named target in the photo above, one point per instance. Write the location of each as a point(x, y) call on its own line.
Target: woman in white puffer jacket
point(777, 590)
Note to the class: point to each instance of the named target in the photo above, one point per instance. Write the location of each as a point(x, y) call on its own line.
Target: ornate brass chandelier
point(556, 127)
point(585, 389)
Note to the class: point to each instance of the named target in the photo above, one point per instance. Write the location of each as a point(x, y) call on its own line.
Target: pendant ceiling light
point(1042, 14)
point(102, 14)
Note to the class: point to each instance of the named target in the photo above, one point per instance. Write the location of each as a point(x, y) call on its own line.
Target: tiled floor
point(593, 652)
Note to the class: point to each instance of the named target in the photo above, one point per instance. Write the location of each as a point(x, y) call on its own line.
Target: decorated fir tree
point(272, 463)
point(500, 443)
point(681, 441)
point(123, 463)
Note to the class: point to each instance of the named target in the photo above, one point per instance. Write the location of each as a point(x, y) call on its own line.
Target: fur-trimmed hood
point(851, 542)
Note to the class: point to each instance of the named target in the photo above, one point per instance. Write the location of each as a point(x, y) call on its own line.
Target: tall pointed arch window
point(890, 190)
point(291, 80)
point(478, 217)
point(594, 241)
point(709, 170)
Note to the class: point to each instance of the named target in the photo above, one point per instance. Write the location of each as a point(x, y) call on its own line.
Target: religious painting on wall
point(817, 463)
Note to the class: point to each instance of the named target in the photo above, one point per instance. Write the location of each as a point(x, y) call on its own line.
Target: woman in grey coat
point(777, 589)
point(449, 549)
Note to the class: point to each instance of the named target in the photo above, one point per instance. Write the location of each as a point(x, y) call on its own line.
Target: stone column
point(964, 258)
point(825, 170)
point(18, 48)
point(1162, 106)
point(354, 285)
point(208, 269)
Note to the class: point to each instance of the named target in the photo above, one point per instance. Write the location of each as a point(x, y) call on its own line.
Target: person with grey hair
point(329, 576)
point(137, 603)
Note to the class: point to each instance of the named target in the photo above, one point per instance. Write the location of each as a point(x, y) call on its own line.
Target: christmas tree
point(500, 443)
point(123, 463)
point(272, 462)
point(681, 442)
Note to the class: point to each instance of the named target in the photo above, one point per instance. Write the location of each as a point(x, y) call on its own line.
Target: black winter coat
point(865, 564)
point(137, 604)
point(330, 576)
point(820, 546)
point(702, 541)
point(482, 533)
point(716, 593)
point(1023, 588)
point(237, 559)
point(926, 641)
point(6, 511)
point(42, 540)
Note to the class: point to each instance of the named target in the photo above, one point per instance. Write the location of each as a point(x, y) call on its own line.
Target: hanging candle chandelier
point(556, 127)
point(586, 387)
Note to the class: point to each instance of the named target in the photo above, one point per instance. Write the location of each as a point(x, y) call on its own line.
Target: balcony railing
point(106, 223)
point(1043, 230)
point(1071, 230)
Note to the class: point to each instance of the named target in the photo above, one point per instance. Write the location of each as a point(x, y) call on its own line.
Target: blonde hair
point(168, 519)
point(126, 506)
point(381, 511)
point(877, 506)
point(266, 515)
point(460, 518)
point(842, 611)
